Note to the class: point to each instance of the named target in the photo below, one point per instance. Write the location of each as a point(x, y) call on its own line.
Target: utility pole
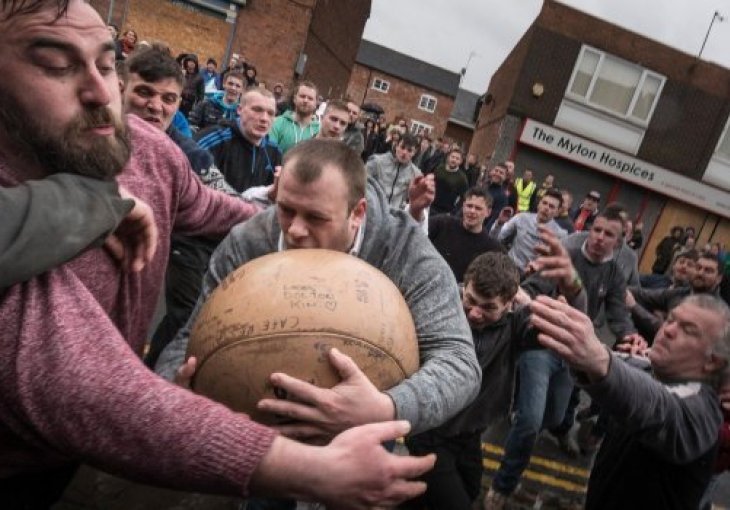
point(716, 16)
point(472, 54)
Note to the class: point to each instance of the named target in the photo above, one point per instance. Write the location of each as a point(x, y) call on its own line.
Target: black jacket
point(242, 164)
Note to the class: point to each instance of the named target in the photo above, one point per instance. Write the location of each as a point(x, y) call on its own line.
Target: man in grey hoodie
point(395, 170)
point(324, 201)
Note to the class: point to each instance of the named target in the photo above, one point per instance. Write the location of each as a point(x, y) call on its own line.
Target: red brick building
point(315, 40)
point(604, 108)
point(404, 87)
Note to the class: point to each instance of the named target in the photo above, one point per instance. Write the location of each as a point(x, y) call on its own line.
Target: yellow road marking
point(541, 478)
point(541, 461)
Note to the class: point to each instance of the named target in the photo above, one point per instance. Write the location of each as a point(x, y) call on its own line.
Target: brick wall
point(689, 117)
point(183, 30)
point(460, 134)
point(712, 78)
point(401, 100)
point(333, 42)
point(271, 34)
point(113, 13)
point(499, 94)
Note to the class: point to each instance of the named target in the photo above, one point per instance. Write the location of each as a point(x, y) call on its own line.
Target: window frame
point(415, 124)
point(427, 98)
point(385, 85)
point(718, 155)
point(602, 57)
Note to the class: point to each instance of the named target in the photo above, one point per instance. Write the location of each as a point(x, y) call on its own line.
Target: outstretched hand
point(554, 262)
point(421, 192)
point(353, 472)
point(569, 333)
point(371, 477)
point(320, 413)
point(134, 241)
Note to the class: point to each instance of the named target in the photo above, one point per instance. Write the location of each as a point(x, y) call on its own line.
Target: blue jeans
point(544, 390)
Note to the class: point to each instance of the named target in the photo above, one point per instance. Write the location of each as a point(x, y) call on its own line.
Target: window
point(722, 150)
point(615, 86)
point(427, 103)
point(381, 85)
point(419, 128)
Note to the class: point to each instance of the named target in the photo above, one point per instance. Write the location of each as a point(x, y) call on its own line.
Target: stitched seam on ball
point(202, 361)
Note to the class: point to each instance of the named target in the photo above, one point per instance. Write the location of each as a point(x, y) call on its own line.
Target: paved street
point(552, 481)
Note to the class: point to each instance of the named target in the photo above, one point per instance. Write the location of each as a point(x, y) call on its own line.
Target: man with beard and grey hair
point(74, 388)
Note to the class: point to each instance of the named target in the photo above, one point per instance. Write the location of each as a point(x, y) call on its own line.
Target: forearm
point(677, 427)
point(646, 322)
point(45, 223)
point(285, 469)
point(618, 315)
point(204, 211)
point(97, 403)
point(449, 376)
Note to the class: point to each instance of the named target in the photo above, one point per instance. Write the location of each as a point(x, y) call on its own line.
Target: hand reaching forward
point(569, 333)
point(353, 472)
point(320, 413)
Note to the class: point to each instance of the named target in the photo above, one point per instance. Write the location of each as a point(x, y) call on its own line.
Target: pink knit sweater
point(72, 384)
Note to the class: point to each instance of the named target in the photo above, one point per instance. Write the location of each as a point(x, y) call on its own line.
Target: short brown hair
point(310, 157)
point(493, 274)
point(337, 104)
point(301, 84)
point(234, 74)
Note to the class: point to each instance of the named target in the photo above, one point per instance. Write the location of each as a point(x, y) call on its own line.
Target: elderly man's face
point(681, 347)
point(63, 105)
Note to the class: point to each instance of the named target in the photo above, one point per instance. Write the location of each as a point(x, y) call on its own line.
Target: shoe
point(588, 442)
point(567, 443)
point(525, 498)
point(586, 414)
point(494, 500)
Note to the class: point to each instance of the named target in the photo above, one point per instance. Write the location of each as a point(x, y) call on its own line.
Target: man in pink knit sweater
point(73, 387)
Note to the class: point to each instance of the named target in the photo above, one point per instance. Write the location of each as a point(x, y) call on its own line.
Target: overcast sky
point(446, 32)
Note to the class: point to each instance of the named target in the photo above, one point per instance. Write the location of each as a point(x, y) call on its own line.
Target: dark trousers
point(455, 481)
point(569, 418)
point(35, 491)
point(183, 283)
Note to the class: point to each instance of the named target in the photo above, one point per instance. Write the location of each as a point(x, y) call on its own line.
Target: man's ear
point(358, 212)
point(714, 364)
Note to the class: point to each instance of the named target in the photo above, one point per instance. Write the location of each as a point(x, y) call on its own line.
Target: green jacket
point(287, 133)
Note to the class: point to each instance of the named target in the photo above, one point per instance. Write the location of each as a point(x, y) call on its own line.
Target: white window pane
point(647, 97)
point(615, 85)
point(723, 149)
point(584, 73)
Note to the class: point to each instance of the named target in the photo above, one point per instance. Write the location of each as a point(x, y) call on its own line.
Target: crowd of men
point(509, 288)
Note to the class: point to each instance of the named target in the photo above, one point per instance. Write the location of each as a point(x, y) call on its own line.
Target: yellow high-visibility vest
point(524, 194)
